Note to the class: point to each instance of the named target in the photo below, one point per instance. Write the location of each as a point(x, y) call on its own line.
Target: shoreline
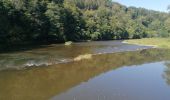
point(153, 46)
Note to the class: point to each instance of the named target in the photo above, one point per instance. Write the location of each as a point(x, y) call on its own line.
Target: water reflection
point(126, 83)
point(167, 73)
point(42, 83)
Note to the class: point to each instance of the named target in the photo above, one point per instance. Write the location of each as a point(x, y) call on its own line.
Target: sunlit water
point(144, 82)
point(126, 74)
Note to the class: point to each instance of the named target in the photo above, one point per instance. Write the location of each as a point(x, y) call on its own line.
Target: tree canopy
point(52, 21)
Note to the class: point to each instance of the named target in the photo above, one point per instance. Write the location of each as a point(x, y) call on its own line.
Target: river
point(114, 71)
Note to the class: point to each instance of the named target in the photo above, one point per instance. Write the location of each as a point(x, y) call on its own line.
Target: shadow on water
point(20, 48)
point(42, 83)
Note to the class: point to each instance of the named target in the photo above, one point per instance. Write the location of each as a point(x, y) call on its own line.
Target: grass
point(156, 42)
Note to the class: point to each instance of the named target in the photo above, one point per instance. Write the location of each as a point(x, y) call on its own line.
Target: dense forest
point(54, 21)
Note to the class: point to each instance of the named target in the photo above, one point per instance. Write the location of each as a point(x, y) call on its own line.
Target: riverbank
point(155, 42)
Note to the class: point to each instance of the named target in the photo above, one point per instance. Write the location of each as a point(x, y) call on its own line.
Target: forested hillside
point(53, 21)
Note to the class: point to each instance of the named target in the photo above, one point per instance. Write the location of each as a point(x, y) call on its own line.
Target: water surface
point(144, 82)
point(59, 53)
point(123, 75)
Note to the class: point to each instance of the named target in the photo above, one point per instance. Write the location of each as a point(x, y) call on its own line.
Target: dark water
point(131, 75)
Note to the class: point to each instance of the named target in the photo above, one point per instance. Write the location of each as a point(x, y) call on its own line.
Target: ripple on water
point(56, 54)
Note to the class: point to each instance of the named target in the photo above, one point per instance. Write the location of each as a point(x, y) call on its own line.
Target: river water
point(115, 71)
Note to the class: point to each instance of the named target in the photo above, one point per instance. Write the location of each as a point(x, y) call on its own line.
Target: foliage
point(52, 21)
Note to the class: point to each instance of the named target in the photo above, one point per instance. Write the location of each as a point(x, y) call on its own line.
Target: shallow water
point(59, 53)
point(130, 75)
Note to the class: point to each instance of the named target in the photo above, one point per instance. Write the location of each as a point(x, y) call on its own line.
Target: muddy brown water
point(116, 71)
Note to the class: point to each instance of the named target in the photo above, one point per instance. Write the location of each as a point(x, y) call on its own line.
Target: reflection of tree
point(168, 7)
point(166, 74)
point(44, 82)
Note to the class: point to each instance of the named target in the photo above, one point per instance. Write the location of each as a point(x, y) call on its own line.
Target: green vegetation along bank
point(53, 21)
point(156, 42)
